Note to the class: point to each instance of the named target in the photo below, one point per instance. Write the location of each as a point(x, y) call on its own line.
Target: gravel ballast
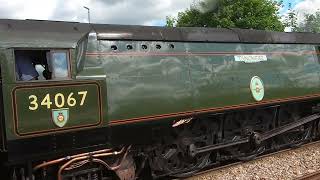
point(284, 165)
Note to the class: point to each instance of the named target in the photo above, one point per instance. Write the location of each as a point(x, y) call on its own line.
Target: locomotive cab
point(48, 112)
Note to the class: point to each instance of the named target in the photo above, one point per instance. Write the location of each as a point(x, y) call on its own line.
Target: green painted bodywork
point(196, 77)
point(142, 84)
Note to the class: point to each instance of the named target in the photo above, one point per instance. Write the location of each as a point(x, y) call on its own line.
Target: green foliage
point(291, 20)
point(170, 21)
point(249, 14)
point(311, 23)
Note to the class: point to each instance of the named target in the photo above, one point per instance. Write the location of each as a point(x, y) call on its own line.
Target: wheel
point(172, 156)
point(242, 125)
point(295, 137)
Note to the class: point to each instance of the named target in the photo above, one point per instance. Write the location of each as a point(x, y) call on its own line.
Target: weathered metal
point(255, 138)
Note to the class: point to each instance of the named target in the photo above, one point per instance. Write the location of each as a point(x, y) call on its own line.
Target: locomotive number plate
point(59, 100)
point(50, 108)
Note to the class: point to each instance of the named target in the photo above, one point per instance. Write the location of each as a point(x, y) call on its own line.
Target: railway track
point(207, 174)
point(312, 176)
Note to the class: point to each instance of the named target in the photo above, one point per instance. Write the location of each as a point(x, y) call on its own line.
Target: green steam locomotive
point(94, 101)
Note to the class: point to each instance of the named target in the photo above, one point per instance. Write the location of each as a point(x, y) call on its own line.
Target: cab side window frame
point(68, 63)
point(47, 63)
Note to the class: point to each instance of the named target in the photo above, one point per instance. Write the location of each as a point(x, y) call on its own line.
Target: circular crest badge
point(257, 89)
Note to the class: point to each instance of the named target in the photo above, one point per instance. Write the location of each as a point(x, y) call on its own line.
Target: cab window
point(33, 65)
point(59, 65)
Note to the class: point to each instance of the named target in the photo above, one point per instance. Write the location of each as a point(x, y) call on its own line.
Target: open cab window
point(32, 65)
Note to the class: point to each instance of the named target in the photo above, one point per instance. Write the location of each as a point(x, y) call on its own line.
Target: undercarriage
point(223, 138)
point(192, 144)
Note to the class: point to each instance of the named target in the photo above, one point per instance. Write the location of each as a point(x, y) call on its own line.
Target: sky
point(139, 12)
point(306, 6)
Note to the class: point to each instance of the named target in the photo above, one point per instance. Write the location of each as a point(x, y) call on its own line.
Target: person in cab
point(25, 70)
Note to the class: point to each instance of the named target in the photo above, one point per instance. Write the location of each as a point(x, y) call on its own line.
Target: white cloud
point(301, 8)
point(143, 12)
point(306, 7)
point(22, 9)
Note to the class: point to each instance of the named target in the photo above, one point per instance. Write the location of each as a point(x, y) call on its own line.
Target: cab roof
point(58, 34)
point(40, 34)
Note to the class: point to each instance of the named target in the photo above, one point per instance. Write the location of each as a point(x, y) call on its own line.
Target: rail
point(311, 176)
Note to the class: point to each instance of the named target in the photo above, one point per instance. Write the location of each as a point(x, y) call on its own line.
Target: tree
point(250, 14)
point(311, 23)
point(170, 21)
point(290, 19)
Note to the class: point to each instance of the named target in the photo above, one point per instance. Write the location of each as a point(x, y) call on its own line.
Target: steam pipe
point(95, 156)
point(68, 158)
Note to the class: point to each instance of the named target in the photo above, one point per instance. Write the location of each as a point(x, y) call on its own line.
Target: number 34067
point(59, 100)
